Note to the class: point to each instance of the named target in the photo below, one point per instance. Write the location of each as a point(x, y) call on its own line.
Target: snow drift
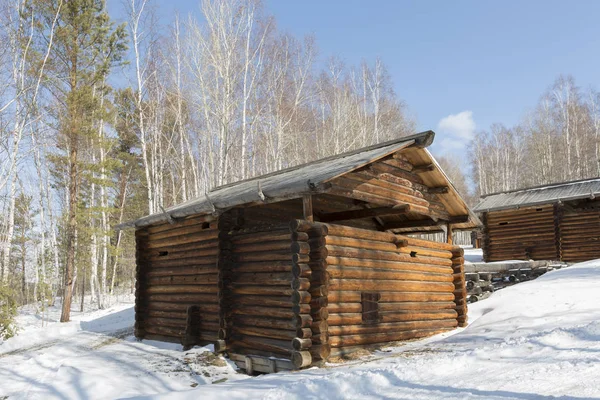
point(535, 340)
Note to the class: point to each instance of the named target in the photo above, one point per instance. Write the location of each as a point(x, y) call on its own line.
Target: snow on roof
point(539, 195)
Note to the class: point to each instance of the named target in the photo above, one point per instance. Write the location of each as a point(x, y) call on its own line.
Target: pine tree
point(86, 47)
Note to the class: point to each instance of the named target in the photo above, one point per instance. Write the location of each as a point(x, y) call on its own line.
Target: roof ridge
point(540, 187)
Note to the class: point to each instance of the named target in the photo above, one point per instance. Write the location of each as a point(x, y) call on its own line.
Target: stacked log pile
point(529, 233)
point(176, 294)
point(384, 287)
point(580, 235)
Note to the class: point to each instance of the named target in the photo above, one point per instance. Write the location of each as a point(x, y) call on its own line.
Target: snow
point(536, 340)
point(473, 255)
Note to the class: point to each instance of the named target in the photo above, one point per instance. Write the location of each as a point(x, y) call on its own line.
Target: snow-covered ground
point(536, 340)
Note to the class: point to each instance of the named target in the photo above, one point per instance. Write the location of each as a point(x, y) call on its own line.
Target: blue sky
point(459, 65)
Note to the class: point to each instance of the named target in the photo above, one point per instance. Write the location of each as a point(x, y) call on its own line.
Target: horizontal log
point(262, 290)
point(184, 298)
point(184, 230)
point(318, 327)
point(191, 221)
point(272, 256)
point(423, 251)
point(357, 318)
point(183, 280)
point(301, 270)
point(271, 246)
point(353, 340)
point(387, 167)
point(182, 307)
point(300, 284)
point(283, 347)
point(343, 330)
point(264, 266)
point(289, 324)
point(401, 306)
point(301, 296)
point(377, 187)
point(319, 314)
point(182, 289)
point(261, 311)
point(320, 351)
point(246, 349)
point(300, 225)
point(184, 239)
point(389, 297)
point(262, 278)
point(267, 301)
point(340, 272)
point(301, 343)
point(172, 271)
point(259, 361)
point(283, 234)
point(303, 321)
point(386, 285)
point(357, 233)
point(183, 262)
point(208, 244)
point(387, 265)
point(426, 243)
point(264, 332)
point(359, 243)
point(349, 252)
point(175, 255)
point(301, 359)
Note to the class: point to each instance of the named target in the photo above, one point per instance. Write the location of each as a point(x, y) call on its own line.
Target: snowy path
point(98, 358)
point(536, 340)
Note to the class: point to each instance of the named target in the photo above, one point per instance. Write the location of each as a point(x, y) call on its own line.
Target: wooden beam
point(364, 213)
point(307, 207)
point(417, 169)
point(426, 222)
point(411, 224)
point(449, 233)
point(459, 219)
point(438, 190)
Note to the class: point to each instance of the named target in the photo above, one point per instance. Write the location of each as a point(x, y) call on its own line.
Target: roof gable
point(310, 178)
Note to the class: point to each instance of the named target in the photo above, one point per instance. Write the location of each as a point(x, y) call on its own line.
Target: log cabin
point(284, 270)
point(557, 222)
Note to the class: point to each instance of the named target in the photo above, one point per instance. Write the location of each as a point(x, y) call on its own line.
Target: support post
point(307, 207)
point(449, 234)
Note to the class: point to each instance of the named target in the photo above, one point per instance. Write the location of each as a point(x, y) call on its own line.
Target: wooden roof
point(547, 194)
point(316, 177)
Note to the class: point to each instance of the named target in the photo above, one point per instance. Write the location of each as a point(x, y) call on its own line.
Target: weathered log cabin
point(286, 269)
point(558, 222)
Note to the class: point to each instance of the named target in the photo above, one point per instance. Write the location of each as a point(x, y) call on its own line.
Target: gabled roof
point(290, 183)
point(547, 194)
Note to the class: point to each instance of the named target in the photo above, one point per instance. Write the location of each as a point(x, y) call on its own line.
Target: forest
point(102, 123)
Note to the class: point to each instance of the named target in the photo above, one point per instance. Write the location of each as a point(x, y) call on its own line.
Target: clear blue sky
point(492, 58)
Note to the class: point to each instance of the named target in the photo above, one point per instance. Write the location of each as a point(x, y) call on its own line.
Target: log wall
point(580, 235)
point(530, 233)
point(552, 232)
point(176, 270)
point(383, 287)
point(279, 296)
